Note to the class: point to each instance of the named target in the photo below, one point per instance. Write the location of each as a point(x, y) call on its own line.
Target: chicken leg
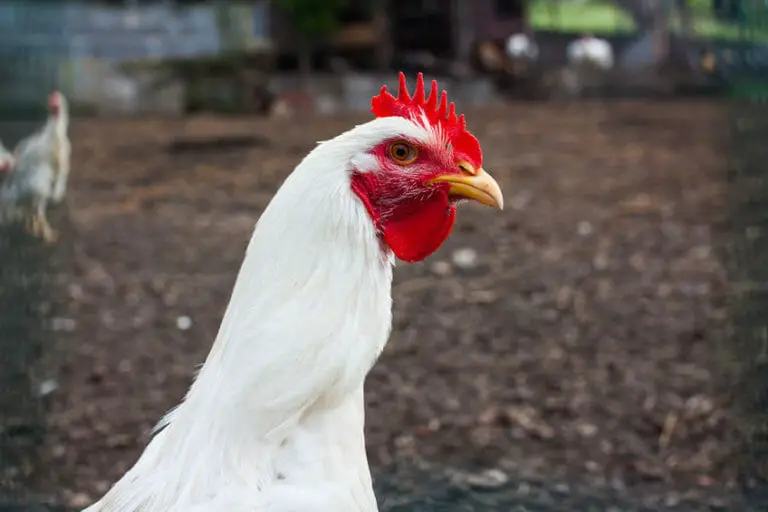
point(38, 224)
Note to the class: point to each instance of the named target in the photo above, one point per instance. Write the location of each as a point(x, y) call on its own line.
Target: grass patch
point(591, 16)
point(602, 17)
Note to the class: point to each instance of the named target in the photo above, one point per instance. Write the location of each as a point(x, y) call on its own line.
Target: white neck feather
point(309, 315)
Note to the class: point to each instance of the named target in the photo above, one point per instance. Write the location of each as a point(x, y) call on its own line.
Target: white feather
point(274, 420)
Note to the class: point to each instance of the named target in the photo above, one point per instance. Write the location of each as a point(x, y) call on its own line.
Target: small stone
point(125, 366)
point(404, 441)
point(465, 258)
point(441, 268)
point(600, 261)
point(564, 296)
point(482, 297)
point(520, 200)
point(183, 323)
point(63, 324)
point(586, 429)
point(702, 252)
point(489, 416)
point(59, 451)
point(699, 405)
point(79, 500)
point(47, 387)
point(119, 441)
point(489, 479)
point(641, 203)
point(637, 261)
point(584, 228)
point(525, 417)
point(618, 484)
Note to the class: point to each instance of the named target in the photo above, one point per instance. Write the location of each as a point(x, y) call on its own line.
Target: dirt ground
point(574, 339)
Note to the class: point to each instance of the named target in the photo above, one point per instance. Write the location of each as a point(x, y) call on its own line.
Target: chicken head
point(410, 183)
point(55, 103)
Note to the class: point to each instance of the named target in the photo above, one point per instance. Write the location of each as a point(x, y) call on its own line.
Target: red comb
point(386, 105)
point(442, 113)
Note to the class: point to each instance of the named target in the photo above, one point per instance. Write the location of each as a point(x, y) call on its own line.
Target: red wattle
point(412, 229)
point(416, 229)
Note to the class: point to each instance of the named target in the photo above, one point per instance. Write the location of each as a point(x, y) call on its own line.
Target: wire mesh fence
point(30, 295)
point(715, 19)
point(747, 216)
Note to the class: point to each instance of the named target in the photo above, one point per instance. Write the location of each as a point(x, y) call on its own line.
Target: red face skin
point(413, 216)
point(5, 167)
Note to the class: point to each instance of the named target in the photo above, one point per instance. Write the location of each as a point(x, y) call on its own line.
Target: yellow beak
point(477, 185)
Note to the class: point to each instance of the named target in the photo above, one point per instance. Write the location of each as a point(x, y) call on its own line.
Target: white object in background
point(465, 258)
point(47, 387)
point(590, 49)
point(521, 46)
point(119, 93)
point(183, 323)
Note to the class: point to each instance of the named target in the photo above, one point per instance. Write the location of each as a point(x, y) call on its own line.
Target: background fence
point(62, 45)
point(76, 45)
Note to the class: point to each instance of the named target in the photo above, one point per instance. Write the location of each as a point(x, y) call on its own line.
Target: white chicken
point(274, 420)
point(592, 51)
point(522, 55)
point(7, 161)
point(40, 172)
point(521, 46)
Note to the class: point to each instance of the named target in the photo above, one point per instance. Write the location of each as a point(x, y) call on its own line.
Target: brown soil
point(582, 345)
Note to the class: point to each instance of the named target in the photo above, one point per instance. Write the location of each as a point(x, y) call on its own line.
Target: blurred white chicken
point(592, 51)
point(7, 161)
point(522, 55)
point(274, 421)
point(40, 172)
point(522, 46)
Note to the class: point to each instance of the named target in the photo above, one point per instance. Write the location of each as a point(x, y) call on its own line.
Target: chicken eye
point(403, 153)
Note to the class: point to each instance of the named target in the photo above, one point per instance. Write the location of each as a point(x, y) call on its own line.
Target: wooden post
point(463, 27)
point(381, 22)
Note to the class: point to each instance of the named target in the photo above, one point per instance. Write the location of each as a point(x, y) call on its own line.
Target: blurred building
point(75, 45)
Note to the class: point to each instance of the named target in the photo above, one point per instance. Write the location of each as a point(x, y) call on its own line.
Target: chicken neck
point(279, 398)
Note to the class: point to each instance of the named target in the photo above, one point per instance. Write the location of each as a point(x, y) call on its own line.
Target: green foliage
point(313, 18)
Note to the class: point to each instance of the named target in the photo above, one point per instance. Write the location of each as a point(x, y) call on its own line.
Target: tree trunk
point(463, 34)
